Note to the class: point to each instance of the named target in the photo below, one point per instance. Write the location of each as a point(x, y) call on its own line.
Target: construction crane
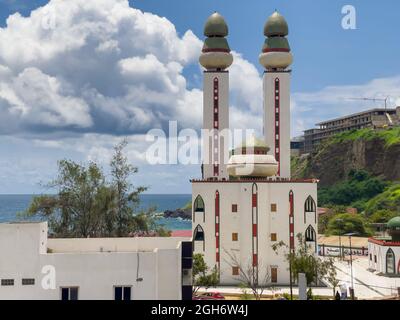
point(373, 99)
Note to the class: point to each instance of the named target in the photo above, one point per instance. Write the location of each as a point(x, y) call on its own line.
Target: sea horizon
point(12, 204)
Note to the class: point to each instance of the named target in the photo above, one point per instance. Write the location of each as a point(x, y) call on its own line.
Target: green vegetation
point(346, 223)
point(202, 276)
point(386, 203)
point(89, 205)
point(391, 136)
point(355, 191)
point(304, 260)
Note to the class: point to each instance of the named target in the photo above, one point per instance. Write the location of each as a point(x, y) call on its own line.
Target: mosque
point(244, 205)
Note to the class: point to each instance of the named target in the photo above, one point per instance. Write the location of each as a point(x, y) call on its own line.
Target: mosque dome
point(276, 50)
point(276, 25)
point(216, 51)
point(216, 26)
point(394, 228)
point(250, 159)
point(394, 223)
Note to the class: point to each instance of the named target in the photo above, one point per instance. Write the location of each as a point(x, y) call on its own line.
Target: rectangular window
point(375, 258)
point(274, 275)
point(69, 293)
point(273, 207)
point(235, 237)
point(122, 293)
point(28, 282)
point(234, 208)
point(273, 237)
point(235, 271)
point(7, 282)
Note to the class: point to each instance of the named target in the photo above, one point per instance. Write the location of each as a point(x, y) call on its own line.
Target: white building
point(101, 268)
point(384, 252)
point(240, 211)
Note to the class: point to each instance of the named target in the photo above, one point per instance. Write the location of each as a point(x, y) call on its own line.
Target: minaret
point(276, 58)
point(215, 58)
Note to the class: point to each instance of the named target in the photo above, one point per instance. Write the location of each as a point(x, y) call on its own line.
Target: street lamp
point(351, 264)
point(340, 240)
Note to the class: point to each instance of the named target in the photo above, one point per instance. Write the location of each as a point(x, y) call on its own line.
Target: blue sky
point(71, 72)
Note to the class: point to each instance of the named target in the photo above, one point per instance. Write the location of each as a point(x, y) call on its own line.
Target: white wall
point(208, 121)
point(79, 262)
point(268, 222)
point(380, 252)
point(269, 117)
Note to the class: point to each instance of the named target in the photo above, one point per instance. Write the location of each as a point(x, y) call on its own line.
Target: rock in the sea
point(185, 214)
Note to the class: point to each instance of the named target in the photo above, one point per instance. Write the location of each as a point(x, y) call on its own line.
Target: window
point(234, 208)
point(370, 256)
point(273, 207)
point(274, 274)
point(198, 235)
point(310, 207)
point(375, 258)
point(390, 262)
point(198, 206)
point(235, 271)
point(273, 237)
point(28, 282)
point(122, 293)
point(235, 237)
point(7, 282)
point(70, 293)
point(310, 234)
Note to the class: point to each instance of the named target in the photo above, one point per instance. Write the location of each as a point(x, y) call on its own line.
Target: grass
point(391, 136)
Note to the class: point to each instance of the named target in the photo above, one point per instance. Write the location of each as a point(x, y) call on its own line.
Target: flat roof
point(355, 114)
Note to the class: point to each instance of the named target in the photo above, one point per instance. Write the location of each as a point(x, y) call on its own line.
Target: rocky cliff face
point(333, 161)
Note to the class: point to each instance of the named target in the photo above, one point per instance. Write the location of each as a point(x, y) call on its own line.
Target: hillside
point(375, 151)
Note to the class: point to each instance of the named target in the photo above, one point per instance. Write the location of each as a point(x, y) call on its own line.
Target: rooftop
point(357, 114)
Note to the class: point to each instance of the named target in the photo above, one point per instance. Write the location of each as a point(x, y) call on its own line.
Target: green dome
point(394, 223)
point(216, 44)
point(276, 25)
point(216, 26)
point(276, 43)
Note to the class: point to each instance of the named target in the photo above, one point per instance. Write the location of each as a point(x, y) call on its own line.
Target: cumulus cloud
point(93, 66)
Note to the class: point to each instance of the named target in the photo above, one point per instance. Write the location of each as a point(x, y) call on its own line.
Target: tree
point(249, 276)
point(331, 276)
point(346, 223)
point(304, 260)
point(87, 205)
point(201, 275)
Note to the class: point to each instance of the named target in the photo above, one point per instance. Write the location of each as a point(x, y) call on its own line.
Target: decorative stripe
point(277, 133)
point(215, 142)
point(275, 50)
point(291, 220)
point(215, 50)
point(254, 201)
point(217, 230)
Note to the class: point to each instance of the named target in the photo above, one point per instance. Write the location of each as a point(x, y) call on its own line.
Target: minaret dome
point(276, 50)
point(216, 52)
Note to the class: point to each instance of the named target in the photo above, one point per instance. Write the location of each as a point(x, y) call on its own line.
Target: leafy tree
point(304, 260)
point(382, 216)
point(202, 276)
point(346, 223)
point(87, 205)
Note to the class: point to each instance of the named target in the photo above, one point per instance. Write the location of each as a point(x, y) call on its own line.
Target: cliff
point(375, 151)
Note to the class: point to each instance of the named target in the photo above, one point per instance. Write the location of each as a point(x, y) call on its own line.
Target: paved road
point(367, 285)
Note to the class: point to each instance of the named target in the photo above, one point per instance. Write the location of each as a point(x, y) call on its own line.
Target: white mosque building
point(243, 206)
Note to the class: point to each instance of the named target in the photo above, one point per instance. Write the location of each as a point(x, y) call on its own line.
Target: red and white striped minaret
point(276, 58)
point(215, 58)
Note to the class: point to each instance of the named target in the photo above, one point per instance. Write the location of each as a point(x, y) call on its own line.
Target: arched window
point(198, 235)
point(310, 234)
point(198, 206)
point(310, 207)
point(390, 262)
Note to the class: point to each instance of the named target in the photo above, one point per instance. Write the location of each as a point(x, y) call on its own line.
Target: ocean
point(11, 205)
